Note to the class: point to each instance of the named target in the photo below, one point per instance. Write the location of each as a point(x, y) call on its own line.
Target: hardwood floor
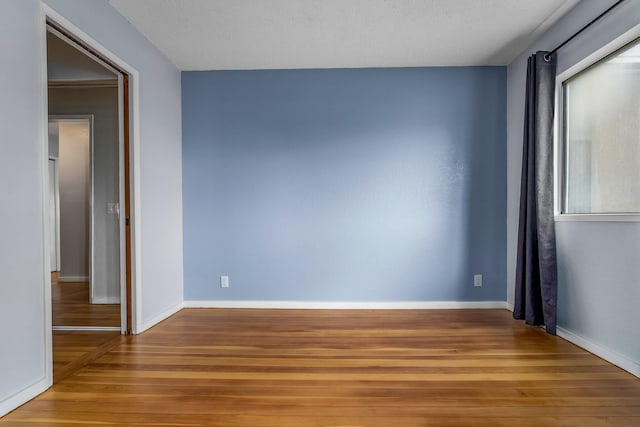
point(73, 350)
point(70, 306)
point(286, 368)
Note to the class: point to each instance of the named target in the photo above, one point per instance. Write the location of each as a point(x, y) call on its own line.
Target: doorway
point(89, 200)
point(84, 238)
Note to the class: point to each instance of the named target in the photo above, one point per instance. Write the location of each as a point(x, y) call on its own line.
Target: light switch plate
point(113, 208)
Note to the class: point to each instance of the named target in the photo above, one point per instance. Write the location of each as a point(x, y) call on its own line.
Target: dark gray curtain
point(536, 269)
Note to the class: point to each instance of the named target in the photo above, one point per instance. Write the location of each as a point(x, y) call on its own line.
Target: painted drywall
point(345, 185)
point(23, 359)
point(66, 63)
point(599, 286)
point(102, 104)
point(22, 297)
point(597, 262)
point(74, 186)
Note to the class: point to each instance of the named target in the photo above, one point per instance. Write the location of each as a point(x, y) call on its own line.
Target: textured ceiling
point(274, 34)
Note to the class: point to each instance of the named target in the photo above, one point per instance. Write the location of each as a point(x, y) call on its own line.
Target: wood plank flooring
point(70, 306)
point(73, 350)
point(286, 368)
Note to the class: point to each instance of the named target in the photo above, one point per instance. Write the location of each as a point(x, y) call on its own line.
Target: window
point(600, 159)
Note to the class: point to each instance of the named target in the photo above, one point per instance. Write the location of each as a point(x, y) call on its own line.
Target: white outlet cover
point(477, 280)
point(224, 281)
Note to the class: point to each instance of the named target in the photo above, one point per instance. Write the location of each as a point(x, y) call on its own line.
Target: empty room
point(320, 213)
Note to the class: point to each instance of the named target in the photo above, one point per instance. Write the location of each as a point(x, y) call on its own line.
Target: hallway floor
point(71, 307)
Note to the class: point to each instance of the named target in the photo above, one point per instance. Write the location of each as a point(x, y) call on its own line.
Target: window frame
point(559, 132)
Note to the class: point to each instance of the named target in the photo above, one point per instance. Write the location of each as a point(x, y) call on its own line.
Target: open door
point(119, 209)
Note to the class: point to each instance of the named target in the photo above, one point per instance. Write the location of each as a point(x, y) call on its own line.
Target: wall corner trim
point(160, 317)
point(631, 366)
point(25, 395)
point(335, 305)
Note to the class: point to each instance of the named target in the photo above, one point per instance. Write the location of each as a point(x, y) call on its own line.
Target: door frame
point(90, 119)
point(53, 161)
point(131, 310)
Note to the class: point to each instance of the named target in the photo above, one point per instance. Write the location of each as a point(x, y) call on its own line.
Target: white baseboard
point(631, 366)
point(73, 279)
point(105, 300)
point(23, 396)
point(324, 305)
point(86, 328)
point(509, 306)
point(146, 324)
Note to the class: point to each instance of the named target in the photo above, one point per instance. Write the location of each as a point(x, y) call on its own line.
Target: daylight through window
point(601, 156)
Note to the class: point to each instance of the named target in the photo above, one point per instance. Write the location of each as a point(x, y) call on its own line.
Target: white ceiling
point(275, 34)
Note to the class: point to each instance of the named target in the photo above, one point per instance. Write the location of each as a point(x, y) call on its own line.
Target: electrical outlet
point(477, 280)
point(224, 281)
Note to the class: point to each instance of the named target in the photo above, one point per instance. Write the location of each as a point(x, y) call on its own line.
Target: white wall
point(23, 358)
point(102, 103)
point(599, 284)
point(22, 300)
point(74, 185)
point(66, 63)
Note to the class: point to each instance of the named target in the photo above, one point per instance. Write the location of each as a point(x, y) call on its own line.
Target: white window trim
point(597, 217)
point(558, 133)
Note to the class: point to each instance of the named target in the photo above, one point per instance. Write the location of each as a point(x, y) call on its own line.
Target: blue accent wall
point(345, 184)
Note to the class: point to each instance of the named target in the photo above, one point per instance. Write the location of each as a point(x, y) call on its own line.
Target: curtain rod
point(548, 55)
